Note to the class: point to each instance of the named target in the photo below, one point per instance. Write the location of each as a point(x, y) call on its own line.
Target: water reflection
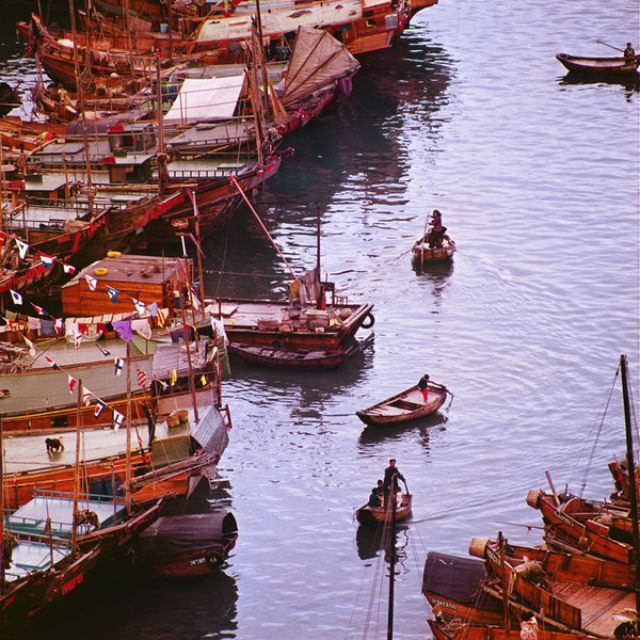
point(630, 83)
point(371, 540)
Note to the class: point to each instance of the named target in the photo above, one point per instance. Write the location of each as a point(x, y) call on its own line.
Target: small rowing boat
point(424, 254)
point(283, 358)
point(371, 516)
point(405, 406)
point(599, 66)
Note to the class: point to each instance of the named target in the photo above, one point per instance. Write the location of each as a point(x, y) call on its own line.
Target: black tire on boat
point(370, 323)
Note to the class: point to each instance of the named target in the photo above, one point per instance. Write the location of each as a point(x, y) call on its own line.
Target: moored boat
point(405, 406)
point(186, 545)
point(613, 67)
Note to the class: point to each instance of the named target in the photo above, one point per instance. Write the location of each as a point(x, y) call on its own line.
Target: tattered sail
point(318, 59)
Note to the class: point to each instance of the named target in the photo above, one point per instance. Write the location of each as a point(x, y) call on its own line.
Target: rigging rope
point(599, 431)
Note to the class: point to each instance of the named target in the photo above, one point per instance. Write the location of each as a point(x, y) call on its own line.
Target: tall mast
point(76, 481)
point(128, 450)
point(80, 90)
point(2, 567)
point(632, 474)
point(392, 556)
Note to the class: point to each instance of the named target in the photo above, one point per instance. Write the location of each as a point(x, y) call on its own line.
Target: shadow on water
point(373, 436)
point(190, 609)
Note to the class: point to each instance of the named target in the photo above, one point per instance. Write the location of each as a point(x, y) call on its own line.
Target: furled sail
point(318, 59)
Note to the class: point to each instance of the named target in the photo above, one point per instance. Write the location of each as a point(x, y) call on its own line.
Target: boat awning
point(206, 99)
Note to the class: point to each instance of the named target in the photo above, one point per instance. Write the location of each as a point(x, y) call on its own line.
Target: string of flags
point(47, 261)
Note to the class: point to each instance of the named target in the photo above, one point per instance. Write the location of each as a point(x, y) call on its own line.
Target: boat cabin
point(146, 278)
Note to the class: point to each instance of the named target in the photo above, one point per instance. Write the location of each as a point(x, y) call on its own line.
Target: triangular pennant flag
point(118, 419)
point(41, 311)
point(32, 349)
point(141, 377)
point(72, 382)
point(100, 407)
point(47, 261)
point(174, 378)
point(140, 306)
point(161, 317)
point(68, 268)
point(86, 396)
point(15, 297)
point(164, 386)
point(91, 281)
point(118, 365)
point(113, 294)
point(51, 362)
point(203, 380)
point(23, 247)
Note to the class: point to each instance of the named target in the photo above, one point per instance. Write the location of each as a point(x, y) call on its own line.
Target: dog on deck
point(54, 445)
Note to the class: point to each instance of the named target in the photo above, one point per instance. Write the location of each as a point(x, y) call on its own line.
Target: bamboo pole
point(128, 451)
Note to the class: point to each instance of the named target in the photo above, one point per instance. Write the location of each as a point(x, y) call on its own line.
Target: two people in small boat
point(380, 493)
point(437, 234)
point(629, 53)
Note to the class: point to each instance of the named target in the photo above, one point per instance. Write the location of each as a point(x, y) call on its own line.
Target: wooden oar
point(610, 46)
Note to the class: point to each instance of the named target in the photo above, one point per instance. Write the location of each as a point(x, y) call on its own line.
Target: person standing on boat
point(391, 477)
point(437, 233)
point(423, 385)
point(629, 53)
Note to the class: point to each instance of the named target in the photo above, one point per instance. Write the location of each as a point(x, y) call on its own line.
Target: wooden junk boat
point(610, 67)
point(405, 406)
point(372, 516)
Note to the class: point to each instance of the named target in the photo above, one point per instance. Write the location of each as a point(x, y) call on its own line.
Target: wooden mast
point(393, 490)
point(632, 476)
point(128, 451)
point(2, 567)
point(76, 480)
point(80, 90)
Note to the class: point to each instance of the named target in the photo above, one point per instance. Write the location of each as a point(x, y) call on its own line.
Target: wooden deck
point(597, 605)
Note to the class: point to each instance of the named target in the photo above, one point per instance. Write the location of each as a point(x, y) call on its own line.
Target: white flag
point(23, 247)
point(91, 281)
point(15, 296)
point(118, 419)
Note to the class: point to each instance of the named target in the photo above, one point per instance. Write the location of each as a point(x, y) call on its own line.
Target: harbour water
point(538, 182)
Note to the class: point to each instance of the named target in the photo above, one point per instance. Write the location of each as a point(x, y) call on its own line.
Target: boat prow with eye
point(405, 406)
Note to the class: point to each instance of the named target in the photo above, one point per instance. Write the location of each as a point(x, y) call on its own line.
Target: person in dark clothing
point(629, 53)
point(391, 477)
point(374, 498)
point(423, 385)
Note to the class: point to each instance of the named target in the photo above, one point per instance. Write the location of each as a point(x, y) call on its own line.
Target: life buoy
point(368, 321)
point(113, 254)
point(101, 271)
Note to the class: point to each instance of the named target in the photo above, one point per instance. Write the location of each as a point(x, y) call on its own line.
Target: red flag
point(142, 378)
point(72, 382)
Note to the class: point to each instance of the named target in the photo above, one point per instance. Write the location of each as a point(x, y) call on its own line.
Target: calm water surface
point(538, 182)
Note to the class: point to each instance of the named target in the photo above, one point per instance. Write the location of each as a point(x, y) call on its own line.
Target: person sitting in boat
point(629, 53)
point(423, 385)
point(391, 477)
point(374, 499)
